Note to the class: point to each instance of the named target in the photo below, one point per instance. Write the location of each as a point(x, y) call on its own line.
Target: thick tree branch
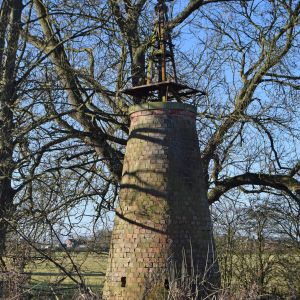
point(192, 6)
point(284, 183)
point(97, 138)
point(292, 77)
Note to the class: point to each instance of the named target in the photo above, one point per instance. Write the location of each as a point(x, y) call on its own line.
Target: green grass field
point(48, 279)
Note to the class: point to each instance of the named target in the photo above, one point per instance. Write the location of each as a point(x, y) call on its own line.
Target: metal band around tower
point(162, 106)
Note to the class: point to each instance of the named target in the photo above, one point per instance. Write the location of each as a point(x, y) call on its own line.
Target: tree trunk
point(10, 25)
point(6, 168)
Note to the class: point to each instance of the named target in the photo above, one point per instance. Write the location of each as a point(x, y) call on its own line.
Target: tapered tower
point(162, 227)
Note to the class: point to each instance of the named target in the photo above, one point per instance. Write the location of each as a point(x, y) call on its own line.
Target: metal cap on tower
point(161, 82)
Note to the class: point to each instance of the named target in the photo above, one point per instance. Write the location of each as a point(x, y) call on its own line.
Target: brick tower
point(162, 227)
point(163, 210)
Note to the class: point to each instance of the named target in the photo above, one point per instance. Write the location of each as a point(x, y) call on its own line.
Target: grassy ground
point(48, 279)
point(86, 263)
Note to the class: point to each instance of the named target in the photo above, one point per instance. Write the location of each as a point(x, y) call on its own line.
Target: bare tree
point(248, 106)
point(256, 257)
point(246, 59)
point(26, 142)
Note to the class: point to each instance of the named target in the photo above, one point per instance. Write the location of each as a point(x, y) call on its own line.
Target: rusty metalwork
point(161, 80)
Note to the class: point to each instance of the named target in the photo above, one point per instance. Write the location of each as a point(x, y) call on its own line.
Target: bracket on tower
point(161, 84)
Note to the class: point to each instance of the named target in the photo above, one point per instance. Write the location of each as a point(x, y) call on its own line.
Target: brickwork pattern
point(163, 207)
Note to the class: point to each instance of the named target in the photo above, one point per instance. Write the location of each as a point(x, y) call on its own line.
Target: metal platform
point(174, 90)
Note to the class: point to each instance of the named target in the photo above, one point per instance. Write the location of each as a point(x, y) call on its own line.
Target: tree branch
point(284, 183)
point(245, 97)
point(97, 138)
point(192, 6)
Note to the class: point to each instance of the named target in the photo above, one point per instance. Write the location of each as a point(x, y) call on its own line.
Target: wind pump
point(161, 77)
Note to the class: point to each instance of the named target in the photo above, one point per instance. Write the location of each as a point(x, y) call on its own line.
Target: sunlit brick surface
point(163, 207)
